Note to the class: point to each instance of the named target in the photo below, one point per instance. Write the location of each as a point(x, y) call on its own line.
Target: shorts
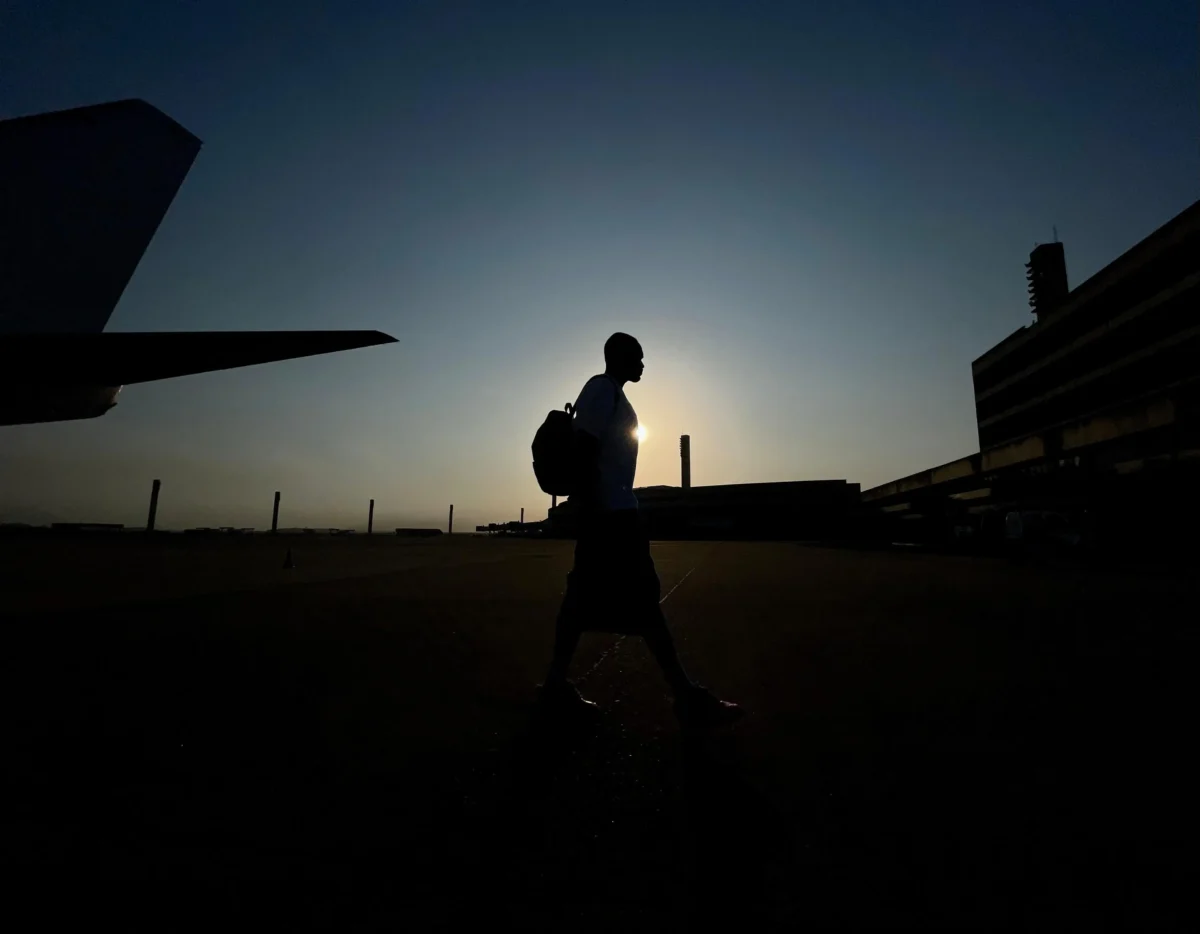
point(613, 586)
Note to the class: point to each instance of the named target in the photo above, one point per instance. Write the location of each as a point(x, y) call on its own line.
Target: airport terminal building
point(1093, 406)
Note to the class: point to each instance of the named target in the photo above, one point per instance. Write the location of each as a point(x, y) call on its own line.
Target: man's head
point(623, 358)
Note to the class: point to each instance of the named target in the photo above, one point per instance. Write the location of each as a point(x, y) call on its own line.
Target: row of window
point(1159, 325)
point(1173, 364)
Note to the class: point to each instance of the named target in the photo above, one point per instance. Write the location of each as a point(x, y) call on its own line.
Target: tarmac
point(930, 741)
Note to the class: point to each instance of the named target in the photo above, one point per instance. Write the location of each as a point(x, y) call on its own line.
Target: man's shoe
point(700, 709)
point(558, 695)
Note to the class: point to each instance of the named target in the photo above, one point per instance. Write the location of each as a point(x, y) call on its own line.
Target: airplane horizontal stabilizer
point(119, 359)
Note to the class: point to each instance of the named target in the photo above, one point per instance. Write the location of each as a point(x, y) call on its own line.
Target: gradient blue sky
point(814, 215)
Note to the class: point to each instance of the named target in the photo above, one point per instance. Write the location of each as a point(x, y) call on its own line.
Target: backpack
point(554, 450)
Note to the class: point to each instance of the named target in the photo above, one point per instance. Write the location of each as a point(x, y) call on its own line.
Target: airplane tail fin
point(83, 191)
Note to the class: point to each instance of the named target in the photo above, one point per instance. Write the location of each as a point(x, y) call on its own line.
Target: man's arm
point(593, 411)
point(587, 470)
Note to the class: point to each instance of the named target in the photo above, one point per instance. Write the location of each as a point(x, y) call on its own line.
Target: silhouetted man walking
point(614, 586)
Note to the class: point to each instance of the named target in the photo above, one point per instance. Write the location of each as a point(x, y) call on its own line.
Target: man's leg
point(557, 691)
point(647, 591)
point(566, 636)
point(662, 647)
point(695, 706)
point(567, 629)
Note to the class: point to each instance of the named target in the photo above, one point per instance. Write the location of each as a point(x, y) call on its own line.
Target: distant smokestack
point(522, 515)
point(450, 524)
point(685, 458)
point(275, 514)
point(371, 518)
point(153, 505)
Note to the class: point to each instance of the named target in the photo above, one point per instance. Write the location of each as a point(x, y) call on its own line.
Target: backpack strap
point(616, 394)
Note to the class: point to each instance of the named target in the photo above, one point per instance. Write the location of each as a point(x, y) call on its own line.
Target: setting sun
point(640, 433)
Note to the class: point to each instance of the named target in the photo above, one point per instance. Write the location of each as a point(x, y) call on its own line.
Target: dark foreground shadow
point(585, 824)
point(161, 745)
point(1051, 786)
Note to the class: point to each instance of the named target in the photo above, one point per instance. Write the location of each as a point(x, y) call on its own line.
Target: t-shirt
point(603, 412)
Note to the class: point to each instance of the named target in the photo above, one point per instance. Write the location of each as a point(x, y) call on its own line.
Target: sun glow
point(640, 433)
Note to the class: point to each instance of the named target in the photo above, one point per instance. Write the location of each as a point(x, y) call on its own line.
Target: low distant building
point(805, 509)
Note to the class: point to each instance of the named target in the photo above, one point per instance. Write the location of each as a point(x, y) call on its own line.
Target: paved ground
point(932, 741)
